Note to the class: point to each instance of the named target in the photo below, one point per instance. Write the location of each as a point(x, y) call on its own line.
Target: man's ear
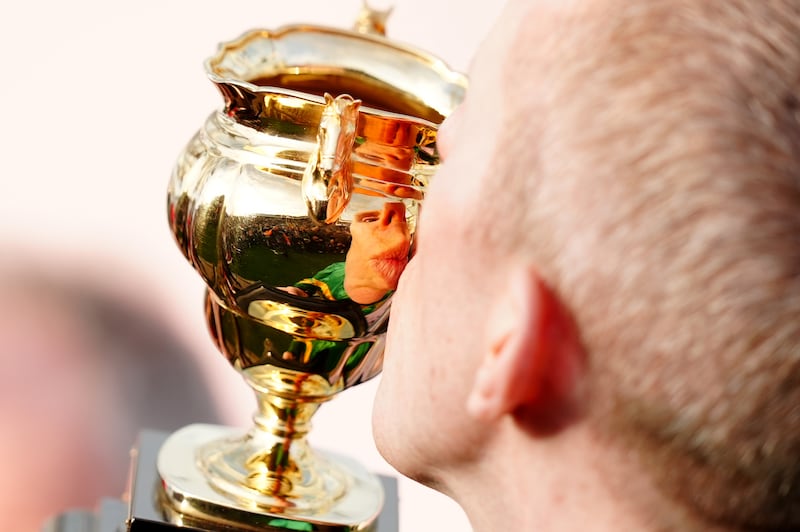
point(533, 358)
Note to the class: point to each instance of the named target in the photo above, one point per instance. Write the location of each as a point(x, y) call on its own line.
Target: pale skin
point(487, 391)
point(507, 377)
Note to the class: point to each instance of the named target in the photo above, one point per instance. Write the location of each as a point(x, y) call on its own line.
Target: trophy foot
point(275, 476)
point(213, 477)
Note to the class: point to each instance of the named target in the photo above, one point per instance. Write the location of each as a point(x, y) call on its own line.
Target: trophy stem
point(272, 467)
point(282, 423)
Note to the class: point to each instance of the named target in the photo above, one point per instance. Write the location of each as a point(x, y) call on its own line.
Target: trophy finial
point(372, 21)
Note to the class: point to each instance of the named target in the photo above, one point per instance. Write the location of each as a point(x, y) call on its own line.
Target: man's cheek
point(405, 279)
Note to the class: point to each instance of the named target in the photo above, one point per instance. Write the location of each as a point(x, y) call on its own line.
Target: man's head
point(378, 253)
point(621, 189)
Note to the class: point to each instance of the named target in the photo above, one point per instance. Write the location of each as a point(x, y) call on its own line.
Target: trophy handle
point(328, 180)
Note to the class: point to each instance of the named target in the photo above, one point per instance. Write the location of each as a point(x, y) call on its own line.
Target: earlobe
point(532, 352)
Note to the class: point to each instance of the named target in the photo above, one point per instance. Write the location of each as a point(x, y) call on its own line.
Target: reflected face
point(378, 253)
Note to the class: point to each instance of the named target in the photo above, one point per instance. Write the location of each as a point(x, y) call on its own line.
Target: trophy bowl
point(297, 203)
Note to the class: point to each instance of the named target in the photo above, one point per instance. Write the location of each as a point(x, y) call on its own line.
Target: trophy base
point(141, 509)
point(186, 499)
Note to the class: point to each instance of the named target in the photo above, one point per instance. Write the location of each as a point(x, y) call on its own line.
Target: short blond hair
point(664, 208)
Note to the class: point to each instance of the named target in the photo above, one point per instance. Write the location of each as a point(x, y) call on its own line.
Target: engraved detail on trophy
point(297, 203)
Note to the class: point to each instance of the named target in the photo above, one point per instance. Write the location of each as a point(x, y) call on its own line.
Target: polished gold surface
point(187, 501)
point(327, 184)
point(297, 203)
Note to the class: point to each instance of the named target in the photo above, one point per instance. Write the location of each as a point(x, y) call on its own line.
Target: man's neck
point(553, 485)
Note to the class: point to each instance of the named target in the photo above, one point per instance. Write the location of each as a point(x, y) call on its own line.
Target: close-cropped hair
point(659, 152)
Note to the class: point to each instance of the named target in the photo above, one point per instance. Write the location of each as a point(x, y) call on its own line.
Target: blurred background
point(101, 323)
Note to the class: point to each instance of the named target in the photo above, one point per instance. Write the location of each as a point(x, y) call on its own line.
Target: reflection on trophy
point(297, 203)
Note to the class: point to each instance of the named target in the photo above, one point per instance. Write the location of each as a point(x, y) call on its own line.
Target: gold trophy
point(297, 203)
